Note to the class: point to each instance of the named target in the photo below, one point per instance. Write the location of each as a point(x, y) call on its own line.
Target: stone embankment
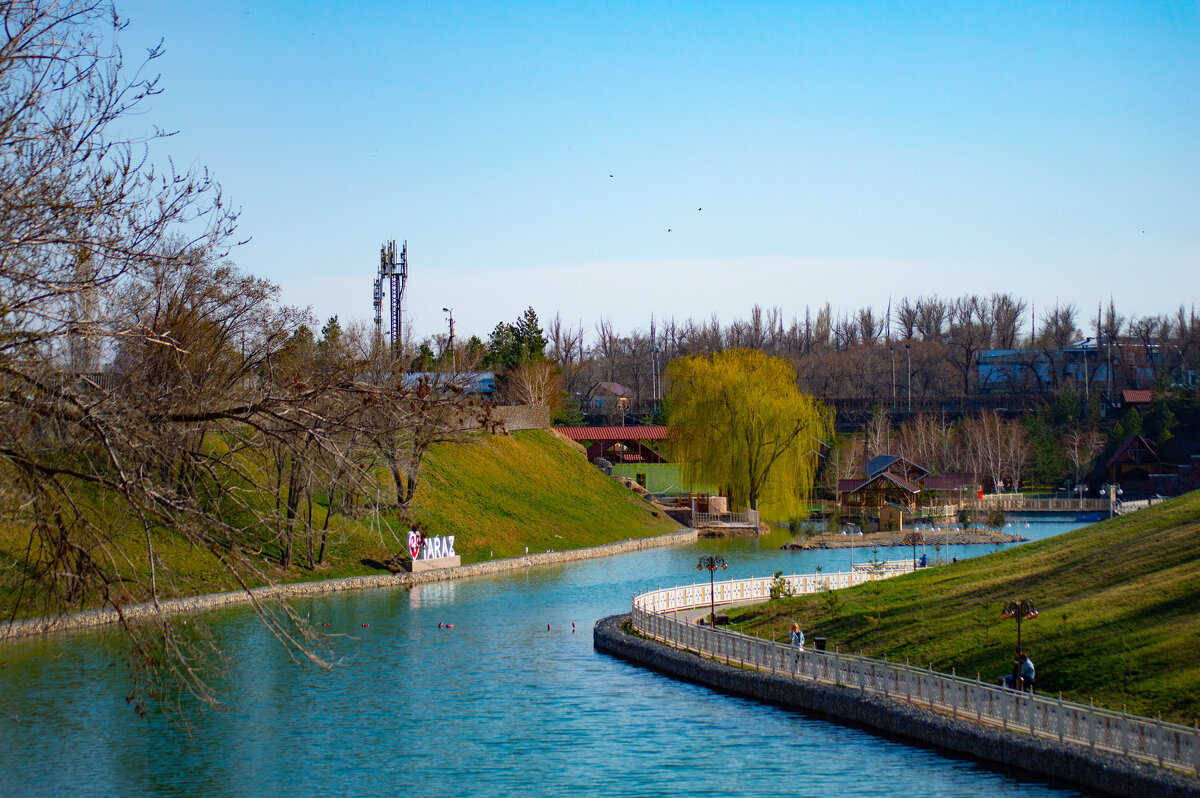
point(138, 612)
point(1078, 765)
point(963, 537)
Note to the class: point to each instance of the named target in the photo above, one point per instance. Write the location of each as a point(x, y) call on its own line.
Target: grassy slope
point(527, 489)
point(1118, 603)
point(497, 494)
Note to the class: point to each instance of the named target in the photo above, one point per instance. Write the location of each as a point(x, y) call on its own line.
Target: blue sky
point(797, 153)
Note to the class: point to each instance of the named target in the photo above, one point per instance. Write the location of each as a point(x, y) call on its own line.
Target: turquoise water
point(498, 705)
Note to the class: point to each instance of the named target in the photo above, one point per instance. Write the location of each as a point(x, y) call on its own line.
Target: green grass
point(495, 494)
point(1118, 604)
point(527, 489)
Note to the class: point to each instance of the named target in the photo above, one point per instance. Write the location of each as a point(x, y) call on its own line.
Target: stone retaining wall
point(1093, 770)
point(107, 617)
point(518, 417)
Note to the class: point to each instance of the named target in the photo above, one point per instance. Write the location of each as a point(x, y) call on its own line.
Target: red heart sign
point(414, 543)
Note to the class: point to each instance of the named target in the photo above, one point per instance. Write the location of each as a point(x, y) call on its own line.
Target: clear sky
point(683, 159)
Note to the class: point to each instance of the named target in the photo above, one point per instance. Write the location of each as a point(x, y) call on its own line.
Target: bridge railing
point(1015, 502)
point(1146, 739)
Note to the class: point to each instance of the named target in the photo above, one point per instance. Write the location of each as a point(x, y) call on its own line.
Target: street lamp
point(1112, 491)
point(712, 563)
point(1080, 489)
point(908, 355)
point(1087, 399)
point(654, 374)
point(453, 365)
point(1020, 609)
point(892, 350)
point(912, 539)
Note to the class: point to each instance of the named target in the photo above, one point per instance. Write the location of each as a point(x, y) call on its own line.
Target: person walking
point(797, 637)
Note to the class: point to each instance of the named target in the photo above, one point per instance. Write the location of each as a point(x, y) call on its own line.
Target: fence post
point(1158, 738)
point(1091, 723)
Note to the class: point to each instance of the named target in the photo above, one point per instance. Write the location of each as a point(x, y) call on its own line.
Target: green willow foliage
point(739, 421)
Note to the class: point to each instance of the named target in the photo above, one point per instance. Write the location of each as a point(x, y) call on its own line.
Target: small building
point(610, 396)
point(896, 480)
point(1137, 468)
point(874, 492)
point(1136, 398)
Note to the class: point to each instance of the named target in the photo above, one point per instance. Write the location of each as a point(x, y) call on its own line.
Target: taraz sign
point(430, 548)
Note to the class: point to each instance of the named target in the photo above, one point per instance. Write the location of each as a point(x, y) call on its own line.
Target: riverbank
point(92, 619)
point(1077, 765)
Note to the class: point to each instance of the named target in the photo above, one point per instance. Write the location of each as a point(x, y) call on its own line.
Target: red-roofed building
point(1136, 397)
point(618, 444)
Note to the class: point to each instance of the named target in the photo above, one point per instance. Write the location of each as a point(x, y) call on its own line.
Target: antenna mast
point(393, 270)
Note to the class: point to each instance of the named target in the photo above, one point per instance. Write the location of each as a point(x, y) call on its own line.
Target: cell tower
point(393, 272)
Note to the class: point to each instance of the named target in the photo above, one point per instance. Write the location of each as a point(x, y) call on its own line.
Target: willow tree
point(738, 421)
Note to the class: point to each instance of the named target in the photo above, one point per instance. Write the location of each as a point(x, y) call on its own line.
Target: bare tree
point(878, 432)
point(1081, 444)
point(1007, 313)
point(931, 318)
point(906, 318)
point(969, 333)
point(1059, 328)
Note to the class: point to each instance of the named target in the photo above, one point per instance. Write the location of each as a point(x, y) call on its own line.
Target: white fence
point(1166, 744)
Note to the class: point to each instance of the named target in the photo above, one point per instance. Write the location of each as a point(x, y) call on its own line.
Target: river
point(513, 699)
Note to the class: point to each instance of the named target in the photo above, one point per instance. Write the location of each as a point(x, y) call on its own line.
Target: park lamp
point(712, 563)
point(1113, 493)
point(1020, 610)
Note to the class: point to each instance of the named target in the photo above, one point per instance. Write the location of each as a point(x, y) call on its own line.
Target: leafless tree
point(1081, 444)
point(878, 433)
point(968, 333)
point(1007, 313)
point(931, 318)
point(1059, 327)
point(906, 319)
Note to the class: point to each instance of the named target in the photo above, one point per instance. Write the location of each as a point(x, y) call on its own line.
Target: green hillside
point(1118, 603)
point(527, 489)
point(495, 494)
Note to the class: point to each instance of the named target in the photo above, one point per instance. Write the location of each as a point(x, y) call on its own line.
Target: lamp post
point(712, 563)
point(912, 539)
point(908, 356)
point(453, 365)
point(1087, 399)
point(1080, 489)
point(1112, 491)
point(654, 375)
point(1020, 609)
point(892, 350)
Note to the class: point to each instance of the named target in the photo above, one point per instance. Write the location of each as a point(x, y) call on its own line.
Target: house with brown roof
point(895, 480)
point(1134, 466)
point(874, 492)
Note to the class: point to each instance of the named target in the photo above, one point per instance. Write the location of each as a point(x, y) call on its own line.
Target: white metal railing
point(1147, 739)
point(759, 588)
point(1136, 504)
point(1016, 502)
